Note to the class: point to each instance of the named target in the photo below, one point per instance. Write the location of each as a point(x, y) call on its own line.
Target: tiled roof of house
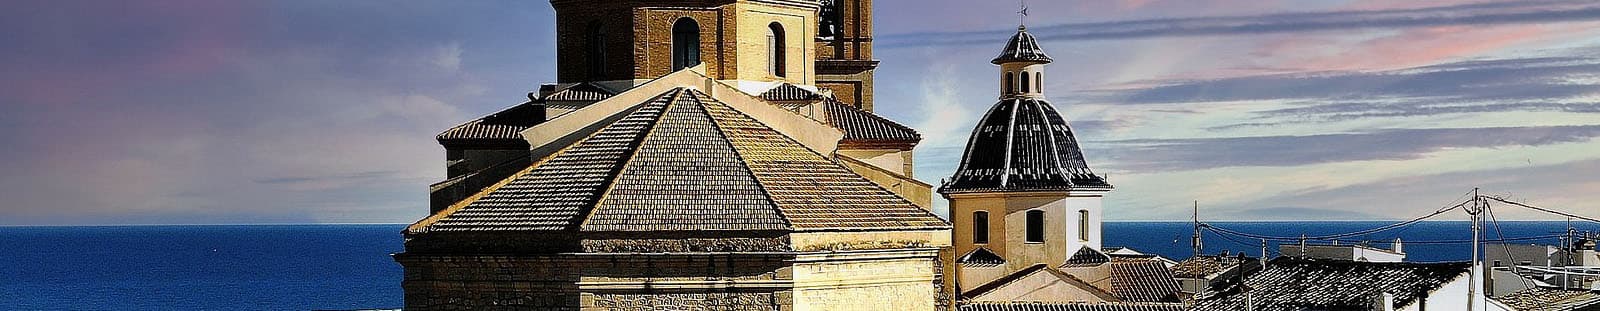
point(1203, 266)
point(1086, 256)
point(1070, 306)
point(1022, 144)
point(504, 127)
point(788, 92)
point(1308, 284)
point(1550, 299)
point(1022, 48)
point(980, 258)
point(862, 126)
point(1143, 280)
point(580, 92)
point(683, 162)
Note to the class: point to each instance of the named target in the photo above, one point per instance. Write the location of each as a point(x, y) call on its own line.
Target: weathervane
point(1022, 14)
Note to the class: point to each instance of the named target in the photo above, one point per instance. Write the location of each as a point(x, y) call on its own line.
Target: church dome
point(1022, 144)
point(1022, 48)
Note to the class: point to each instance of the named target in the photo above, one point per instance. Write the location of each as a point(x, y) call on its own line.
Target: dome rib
point(1022, 144)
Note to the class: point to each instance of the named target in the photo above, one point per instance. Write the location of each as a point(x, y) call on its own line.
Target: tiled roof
point(1086, 256)
point(1070, 306)
point(981, 258)
point(787, 92)
point(1203, 266)
point(1550, 299)
point(662, 189)
point(862, 126)
point(813, 191)
point(1022, 48)
point(555, 193)
point(504, 127)
point(1309, 284)
point(580, 92)
point(1143, 280)
point(1022, 144)
point(684, 162)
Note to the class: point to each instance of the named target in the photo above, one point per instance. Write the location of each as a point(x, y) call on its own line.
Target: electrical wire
point(1502, 200)
point(1438, 212)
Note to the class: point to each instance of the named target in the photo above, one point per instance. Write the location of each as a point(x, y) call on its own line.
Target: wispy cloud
point(1158, 155)
point(1512, 12)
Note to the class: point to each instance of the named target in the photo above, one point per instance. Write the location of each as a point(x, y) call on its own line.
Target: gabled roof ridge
point(923, 216)
point(788, 224)
point(672, 100)
point(1036, 268)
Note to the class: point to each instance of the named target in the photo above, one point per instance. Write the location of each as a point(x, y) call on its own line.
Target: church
point(724, 155)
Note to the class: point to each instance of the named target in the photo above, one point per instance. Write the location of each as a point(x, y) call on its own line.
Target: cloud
point(1513, 12)
point(1161, 155)
point(289, 111)
point(1551, 186)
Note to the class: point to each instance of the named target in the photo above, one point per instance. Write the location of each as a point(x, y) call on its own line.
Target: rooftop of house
point(1143, 280)
point(1317, 284)
point(1550, 299)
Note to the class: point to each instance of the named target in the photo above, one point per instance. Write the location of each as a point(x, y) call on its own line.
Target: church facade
point(692, 155)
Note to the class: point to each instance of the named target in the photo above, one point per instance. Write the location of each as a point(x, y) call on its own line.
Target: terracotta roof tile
point(862, 126)
point(1143, 280)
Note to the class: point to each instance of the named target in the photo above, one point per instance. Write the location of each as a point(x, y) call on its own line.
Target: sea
point(349, 267)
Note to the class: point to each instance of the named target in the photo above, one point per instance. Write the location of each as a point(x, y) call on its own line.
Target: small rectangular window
point(1083, 225)
point(980, 227)
point(1035, 226)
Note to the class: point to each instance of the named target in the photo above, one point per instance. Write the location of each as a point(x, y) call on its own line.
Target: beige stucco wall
point(913, 190)
point(865, 280)
point(1008, 225)
point(895, 160)
point(799, 25)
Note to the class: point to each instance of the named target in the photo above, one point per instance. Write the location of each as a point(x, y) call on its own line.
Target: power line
point(1438, 212)
point(1501, 200)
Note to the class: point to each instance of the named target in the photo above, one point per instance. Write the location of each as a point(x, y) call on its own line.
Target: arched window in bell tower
point(1011, 83)
point(1025, 84)
point(685, 44)
point(775, 50)
point(595, 44)
point(1083, 225)
point(1035, 226)
point(980, 227)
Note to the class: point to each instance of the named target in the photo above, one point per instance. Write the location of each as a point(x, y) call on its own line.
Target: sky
point(223, 112)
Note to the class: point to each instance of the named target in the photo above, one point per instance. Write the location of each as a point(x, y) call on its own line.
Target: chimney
point(1398, 246)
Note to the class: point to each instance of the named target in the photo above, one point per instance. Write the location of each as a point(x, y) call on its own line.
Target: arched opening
point(1035, 226)
point(1083, 225)
point(685, 44)
point(1011, 83)
point(1025, 84)
point(595, 44)
point(980, 227)
point(1038, 82)
point(775, 50)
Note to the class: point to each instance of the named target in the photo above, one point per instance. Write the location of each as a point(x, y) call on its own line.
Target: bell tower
point(623, 43)
point(844, 50)
point(1023, 194)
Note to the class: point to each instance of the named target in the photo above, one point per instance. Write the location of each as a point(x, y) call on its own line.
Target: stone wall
point(595, 281)
point(883, 280)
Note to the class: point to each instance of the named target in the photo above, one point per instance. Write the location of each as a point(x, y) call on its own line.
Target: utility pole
point(1472, 276)
point(1198, 247)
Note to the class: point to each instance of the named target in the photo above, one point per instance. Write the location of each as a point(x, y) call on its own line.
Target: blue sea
point(334, 267)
